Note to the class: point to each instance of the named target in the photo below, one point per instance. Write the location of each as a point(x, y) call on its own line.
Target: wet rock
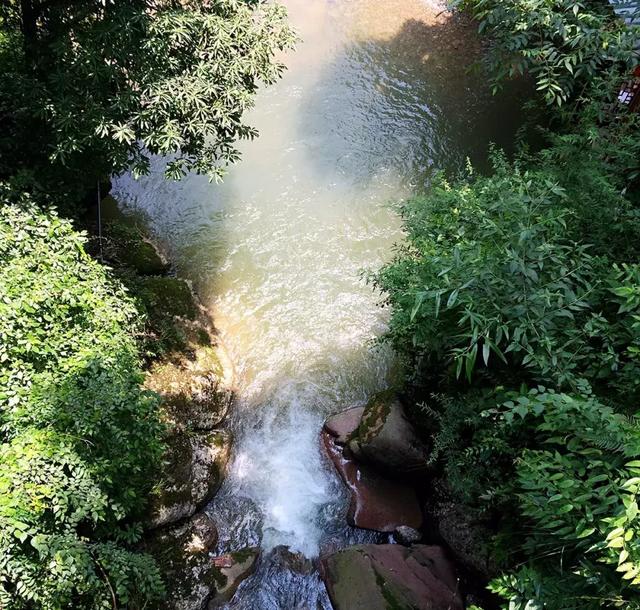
point(407, 535)
point(377, 502)
point(343, 425)
point(192, 388)
point(182, 556)
point(231, 570)
point(390, 577)
point(286, 559)
point(124, 242)
point(109, 210)
point(386, 439)
point(195, 465)
point(167, 296)
point(142, 256)
point(202, 534)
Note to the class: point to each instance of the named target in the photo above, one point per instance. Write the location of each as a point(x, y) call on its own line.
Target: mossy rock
point(125, 243)
point(391, 577)
point(194, 468)
point(232, 569)
point(142, 257)
point(110, 210)
point(191, 389)
point(167, 297)
point(182, 554)
point(386, 439)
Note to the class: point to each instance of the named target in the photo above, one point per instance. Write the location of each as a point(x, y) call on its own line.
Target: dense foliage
point(515, 305)
point(498, 293)
point(91, 88)
point(562, 43)
point(78, 436)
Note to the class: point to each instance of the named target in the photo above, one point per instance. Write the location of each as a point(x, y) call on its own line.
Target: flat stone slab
point(342, 425)
point(385, 576)
point(377, 503)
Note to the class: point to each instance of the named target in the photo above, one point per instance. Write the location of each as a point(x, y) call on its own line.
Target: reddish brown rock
point(377, 503)
point(342, 425)
point(379, 577)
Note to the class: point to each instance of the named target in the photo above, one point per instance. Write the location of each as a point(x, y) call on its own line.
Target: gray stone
point(407, 535)
point(386, 439)
point(292, 561)
point(465, 534)
point(195, 466)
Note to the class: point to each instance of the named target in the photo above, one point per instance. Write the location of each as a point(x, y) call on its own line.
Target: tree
point(91, 88)
point(562, 43)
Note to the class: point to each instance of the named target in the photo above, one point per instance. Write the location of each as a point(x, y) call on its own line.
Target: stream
point(378, 95)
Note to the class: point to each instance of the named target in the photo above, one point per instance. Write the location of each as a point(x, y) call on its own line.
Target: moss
point(243, 555)
point(219, 579)
point(392, 602)
point(165, 301)
point(167, 297)
point(109, 210)
point(374, 416)
point(203, 337)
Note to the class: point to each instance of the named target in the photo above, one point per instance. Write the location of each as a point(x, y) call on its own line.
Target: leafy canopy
point(563, 44)
point(97, 87)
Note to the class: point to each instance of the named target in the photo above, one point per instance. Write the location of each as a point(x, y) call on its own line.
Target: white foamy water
point(375, 97)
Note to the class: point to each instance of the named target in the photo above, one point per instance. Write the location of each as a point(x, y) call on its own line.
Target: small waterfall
point(375, 97)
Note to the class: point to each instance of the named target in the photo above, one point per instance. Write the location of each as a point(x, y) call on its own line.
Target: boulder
point(164, 297)
point(124, 241)
point(231, 570)
point(109, 210)
point(201, 534)
point(344, 424)
point(182, 554)
point(407, 535)
point(390, 576)
point(194, 469)
point(386, 439)
point(286, 559)
point(142, 256)
point(192, 389)
point(377, 502)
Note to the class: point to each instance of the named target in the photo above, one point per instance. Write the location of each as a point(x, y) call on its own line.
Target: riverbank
point(188, 368)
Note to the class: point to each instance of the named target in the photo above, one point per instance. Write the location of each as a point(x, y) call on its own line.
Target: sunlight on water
point(376, 96)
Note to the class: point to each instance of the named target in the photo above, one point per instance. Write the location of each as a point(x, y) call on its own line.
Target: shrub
point(495, 290)
point(79, 436)
point(493, 282)
point(577, 489)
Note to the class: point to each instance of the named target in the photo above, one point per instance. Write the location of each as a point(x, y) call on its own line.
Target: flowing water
point(377, 96)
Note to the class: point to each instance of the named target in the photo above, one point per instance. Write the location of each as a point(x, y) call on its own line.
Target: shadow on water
point(425, 91)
